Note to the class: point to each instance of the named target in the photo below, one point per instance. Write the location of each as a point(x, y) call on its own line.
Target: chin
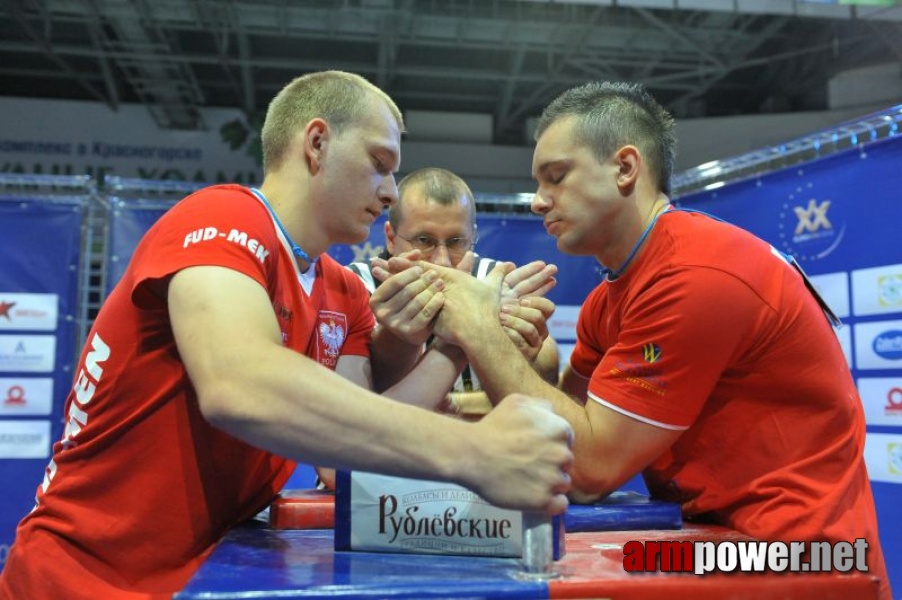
point(356, 237)
point(573, 247)
point(566, 248)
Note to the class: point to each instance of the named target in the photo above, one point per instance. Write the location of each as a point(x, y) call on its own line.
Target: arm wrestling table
point(257, 562)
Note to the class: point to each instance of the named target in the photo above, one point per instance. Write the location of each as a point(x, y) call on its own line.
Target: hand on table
point(524, 458)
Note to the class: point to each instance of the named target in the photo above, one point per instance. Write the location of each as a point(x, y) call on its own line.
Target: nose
point(441, 256)
point(388, 191)
point(540, 204)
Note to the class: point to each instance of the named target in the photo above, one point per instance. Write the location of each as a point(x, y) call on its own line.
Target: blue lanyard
point(295, 249)
point(614, 274)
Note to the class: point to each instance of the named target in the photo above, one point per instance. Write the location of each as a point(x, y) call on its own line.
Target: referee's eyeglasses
point(456, 246)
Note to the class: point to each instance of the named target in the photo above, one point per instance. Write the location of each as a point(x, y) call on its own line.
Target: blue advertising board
point(39, 297)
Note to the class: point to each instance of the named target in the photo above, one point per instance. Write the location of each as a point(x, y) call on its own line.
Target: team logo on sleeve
point(651, 352)
point(331, 331)
point(645, 375)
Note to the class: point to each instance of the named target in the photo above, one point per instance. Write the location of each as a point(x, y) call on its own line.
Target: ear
point(628, 160)
point(316, 137)
point(389, 238)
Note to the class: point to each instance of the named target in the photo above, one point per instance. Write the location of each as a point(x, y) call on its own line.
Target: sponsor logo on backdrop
point(28, 311)
point(26, 395)
point(812, 220)
point(811, 226)
point(878, 344)
point(894, 401)
point(877, 290)
point(888, 345)
point(24, 439)
point(15, 396)
point(890, 291)
point(27, 353)
point(881, 398)
point(895, 458)
point(883, 456)
point(366, 252)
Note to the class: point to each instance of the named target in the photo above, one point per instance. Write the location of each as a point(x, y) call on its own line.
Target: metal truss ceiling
point(505, 58)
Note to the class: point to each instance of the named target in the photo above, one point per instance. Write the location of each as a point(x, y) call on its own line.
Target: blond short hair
point(337, 97)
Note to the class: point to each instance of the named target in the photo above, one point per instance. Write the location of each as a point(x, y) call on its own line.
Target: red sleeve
point(221, 225)
point(676, 339)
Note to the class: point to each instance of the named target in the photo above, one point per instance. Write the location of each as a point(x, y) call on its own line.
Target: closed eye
point(556, 177)
point(380, 167)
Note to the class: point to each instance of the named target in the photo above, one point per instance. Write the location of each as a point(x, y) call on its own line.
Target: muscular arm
point(574, 384)
point(423, 387)
point(476, 404)
point(274, 398)
point(426, 384)
point(609, 447)
point(392, 358)
point(547, 363)
point(249, 385)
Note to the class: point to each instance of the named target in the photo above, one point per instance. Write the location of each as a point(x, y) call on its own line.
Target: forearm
point(428, 383)
point(503, 370)
point(608, 447)
point(547, 363)
point(270, 402)
point(499, 364)
point(392, 358)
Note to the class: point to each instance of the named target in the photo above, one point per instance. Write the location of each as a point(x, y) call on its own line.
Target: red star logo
point(4, 309)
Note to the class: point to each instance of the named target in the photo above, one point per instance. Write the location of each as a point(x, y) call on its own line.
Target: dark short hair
point(612, 115)
point(337, 97)
point(439, 185)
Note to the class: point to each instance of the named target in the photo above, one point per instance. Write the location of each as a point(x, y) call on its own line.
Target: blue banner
point(128, 221)
point(39, 298)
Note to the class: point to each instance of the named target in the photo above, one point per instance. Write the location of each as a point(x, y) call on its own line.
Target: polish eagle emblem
point(333, 336)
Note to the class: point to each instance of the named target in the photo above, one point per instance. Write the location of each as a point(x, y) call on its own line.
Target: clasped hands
point(418, 299)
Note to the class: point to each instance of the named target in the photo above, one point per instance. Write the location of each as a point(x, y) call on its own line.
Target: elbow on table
point(588, 488)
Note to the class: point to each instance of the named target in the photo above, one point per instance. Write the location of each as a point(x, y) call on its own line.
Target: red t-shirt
point(141, 487)
point(711, 332)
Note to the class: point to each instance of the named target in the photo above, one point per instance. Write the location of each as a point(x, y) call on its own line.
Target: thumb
point(466, 263)
point(498, 273)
